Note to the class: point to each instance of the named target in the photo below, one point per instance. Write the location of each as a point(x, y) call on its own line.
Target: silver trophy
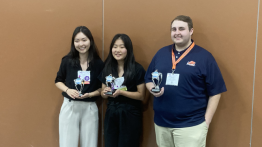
point(156, 76)
point(110, 83)
point(80, 82)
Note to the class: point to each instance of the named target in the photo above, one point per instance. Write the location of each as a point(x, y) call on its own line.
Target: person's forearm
point(211, 107)
point(149, 86)
point(102, 93)
point(133, 95)
point(95, 93)
point(61, 86)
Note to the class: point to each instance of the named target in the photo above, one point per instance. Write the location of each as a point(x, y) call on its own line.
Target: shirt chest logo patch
point(191, 63)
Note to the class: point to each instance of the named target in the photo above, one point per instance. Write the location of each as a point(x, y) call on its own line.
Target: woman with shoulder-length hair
point(77, 78)
point(123, 119)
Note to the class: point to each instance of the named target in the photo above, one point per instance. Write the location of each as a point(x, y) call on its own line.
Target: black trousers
point(123, 125)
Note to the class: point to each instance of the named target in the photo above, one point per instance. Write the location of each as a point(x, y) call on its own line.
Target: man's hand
point(159, 93)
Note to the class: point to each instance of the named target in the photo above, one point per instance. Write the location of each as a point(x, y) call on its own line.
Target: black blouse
point(68, 73)
point(131, 85)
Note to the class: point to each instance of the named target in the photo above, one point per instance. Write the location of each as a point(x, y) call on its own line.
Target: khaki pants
point(78, 121)
point(182, 137)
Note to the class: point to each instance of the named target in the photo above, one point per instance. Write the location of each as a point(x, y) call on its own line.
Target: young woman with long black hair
point(123, 119)
point(77, 78)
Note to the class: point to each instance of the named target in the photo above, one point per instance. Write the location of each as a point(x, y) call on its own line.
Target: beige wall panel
point(257, 111)
point(225, 28)
point(34, 36)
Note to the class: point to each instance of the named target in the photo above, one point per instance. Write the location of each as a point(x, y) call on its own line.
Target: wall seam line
point(103, 30)
point(103, 51)
point(254, 76)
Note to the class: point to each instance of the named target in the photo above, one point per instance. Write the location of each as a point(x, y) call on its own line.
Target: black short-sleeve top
point(131, 85)
point(68, 73)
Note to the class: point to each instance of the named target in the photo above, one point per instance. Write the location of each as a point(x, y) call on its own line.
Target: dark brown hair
point(186, 19)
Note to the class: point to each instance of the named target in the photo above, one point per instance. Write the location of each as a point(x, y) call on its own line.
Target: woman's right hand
point(106, 90)
point(73, 93)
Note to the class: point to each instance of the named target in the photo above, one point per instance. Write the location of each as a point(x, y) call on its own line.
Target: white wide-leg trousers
point(78, 121)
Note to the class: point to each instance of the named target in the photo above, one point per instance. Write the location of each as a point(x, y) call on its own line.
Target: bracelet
point(66, 90)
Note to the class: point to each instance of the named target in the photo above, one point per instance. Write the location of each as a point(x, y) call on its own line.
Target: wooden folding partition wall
point(35, 35)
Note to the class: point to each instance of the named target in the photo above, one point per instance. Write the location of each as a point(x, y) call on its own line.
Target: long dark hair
point(111, 65)
point(92, 51)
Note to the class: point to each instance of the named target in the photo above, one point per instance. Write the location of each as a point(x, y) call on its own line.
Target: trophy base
point(110, 92)
point(155, 90)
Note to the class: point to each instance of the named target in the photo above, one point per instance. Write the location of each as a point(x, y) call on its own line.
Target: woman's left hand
point(116, 93)
point(86, 95)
